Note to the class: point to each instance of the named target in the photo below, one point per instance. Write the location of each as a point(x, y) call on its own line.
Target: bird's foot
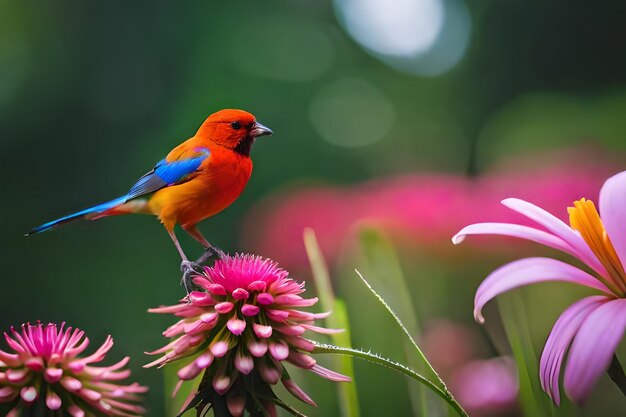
point(217, 252)
point(211, 252)
point(190, 266)
point(189, 269)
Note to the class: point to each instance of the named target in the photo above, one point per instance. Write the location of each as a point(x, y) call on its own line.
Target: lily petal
point(530, 271)
point(612, 203)
point(593, 347)
point(559, 229)
point(559, 341)
point(514, 230)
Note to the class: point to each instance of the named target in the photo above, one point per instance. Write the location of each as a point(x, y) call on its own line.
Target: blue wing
point(166, 173)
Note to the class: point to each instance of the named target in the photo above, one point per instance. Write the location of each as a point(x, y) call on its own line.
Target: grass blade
point(379, 360)
point(533, 400)
point(347, 393)
point(417, 349)
point(384, 268)
point(441, 386)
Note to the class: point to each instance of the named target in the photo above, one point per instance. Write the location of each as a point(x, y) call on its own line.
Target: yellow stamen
point(585, 218)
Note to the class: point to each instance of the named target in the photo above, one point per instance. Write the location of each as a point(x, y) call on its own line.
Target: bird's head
point(233, 129)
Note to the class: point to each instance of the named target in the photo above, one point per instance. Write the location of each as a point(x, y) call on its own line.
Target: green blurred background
point(92, 94)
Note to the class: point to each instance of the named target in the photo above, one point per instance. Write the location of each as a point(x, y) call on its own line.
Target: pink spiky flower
point(46, 369)
point(239, 330)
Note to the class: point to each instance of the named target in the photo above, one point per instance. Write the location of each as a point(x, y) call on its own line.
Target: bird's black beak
point(259, 130)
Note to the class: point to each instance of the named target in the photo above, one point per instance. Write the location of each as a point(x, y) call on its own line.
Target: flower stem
point(445, 394)
point(616, 372)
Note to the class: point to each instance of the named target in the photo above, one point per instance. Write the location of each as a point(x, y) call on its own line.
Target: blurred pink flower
point(590, 330)
point(484, 387)
point(240, 329)
point(420, 209)
point(45, 367)
point(487, 387)
point(448, 345)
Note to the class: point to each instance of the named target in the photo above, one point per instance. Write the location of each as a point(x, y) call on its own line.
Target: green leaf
point(439, 382)
point(319, 269)
point(534, 401)
point(347, 393)
point(384, 268)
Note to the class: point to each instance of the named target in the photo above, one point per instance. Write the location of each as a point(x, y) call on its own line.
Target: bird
point(196, 180)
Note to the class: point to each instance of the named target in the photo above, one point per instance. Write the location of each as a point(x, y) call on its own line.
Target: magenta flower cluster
point(45, 367)
point(420, 210)
point(242, 325)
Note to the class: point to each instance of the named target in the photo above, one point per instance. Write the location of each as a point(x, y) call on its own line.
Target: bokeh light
point(423, 37)
point(408, 27)
point(351, 113)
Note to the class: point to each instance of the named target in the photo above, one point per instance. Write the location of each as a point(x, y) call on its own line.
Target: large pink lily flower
point(588, 331)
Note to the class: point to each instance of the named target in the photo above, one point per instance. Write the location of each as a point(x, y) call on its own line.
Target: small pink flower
point(46, 368)
point(239, 330)
point(487, 387)
point(448, 345)
point(484, 387)
point(590, 330)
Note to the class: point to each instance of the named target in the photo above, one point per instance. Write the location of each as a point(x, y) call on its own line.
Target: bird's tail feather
point(92, 213)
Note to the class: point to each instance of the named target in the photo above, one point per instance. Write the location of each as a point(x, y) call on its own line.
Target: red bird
point(196, 180)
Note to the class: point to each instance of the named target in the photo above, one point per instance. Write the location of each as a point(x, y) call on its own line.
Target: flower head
point(590, 330)
point(240, 329)
point(46, 368)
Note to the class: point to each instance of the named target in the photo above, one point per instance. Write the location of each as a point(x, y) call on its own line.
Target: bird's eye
point(235, 125)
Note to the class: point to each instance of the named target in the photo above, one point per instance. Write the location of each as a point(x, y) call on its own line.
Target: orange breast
point(221, 179)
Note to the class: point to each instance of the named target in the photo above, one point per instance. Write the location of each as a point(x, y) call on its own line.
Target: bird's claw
point(211, 252)
point(189, 269)
point(217, 252)
point(190, 266)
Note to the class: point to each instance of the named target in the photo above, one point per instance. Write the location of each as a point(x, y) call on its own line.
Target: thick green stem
point(443, 393)
point(616, 372)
